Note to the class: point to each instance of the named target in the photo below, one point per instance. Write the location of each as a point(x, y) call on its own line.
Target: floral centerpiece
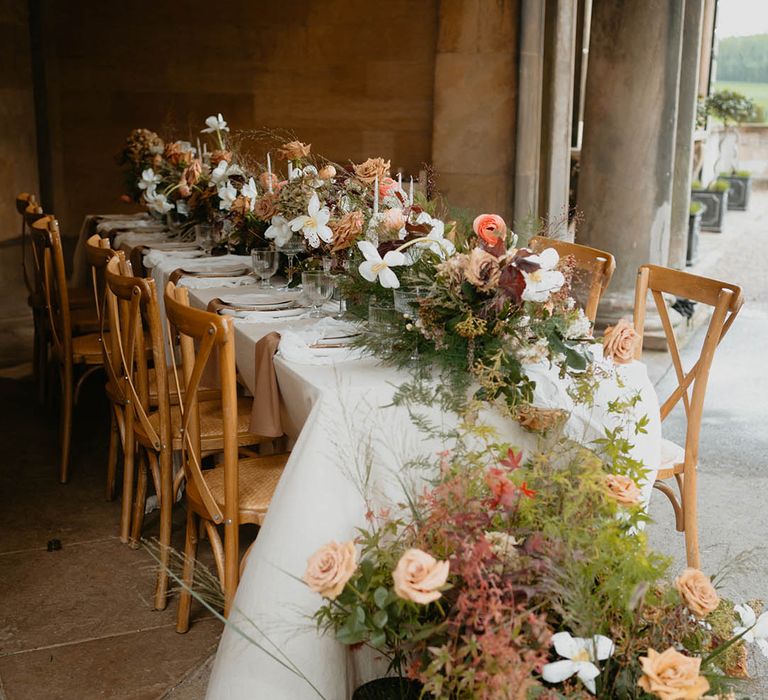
point(528, 578)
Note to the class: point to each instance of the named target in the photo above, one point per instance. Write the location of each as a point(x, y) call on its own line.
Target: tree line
point(743, 59)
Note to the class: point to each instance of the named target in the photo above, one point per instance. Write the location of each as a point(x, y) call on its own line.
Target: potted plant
point(732, 109)
point(715, 201)
point(694, 227)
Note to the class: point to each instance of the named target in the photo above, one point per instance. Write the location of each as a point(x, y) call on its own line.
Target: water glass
point(264, 265)
point(205, 238)
point(383, 320)
point(318, 288)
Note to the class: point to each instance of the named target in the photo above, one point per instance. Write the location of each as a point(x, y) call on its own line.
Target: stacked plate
point(274, 305)
point(209, 268)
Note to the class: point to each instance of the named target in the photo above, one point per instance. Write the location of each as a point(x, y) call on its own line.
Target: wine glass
point(318, 287)
point(292, 247)
point(204, 238)
point(264, 265)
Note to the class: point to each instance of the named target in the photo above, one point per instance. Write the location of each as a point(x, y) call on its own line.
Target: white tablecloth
point(337, 413)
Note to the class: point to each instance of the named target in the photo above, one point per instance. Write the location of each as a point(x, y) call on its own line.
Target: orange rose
point(264, 181)
point(622, 489)
point(418, 577)
point(294, 150)
point(490, 228)
point(672, 675)
point(346, 230)
point(619, 342)
point(697, 592)
point(330, 567)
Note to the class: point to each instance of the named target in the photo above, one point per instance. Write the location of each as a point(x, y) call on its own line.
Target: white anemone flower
point(227, 194)
point(544, 281)
point(579, 657)
point(182, 207)
point(249, 190)
point(755, 628)
point(215, 123)
point(375, 267)
point(149, 179)
point(157, 202)
point(314, 225)
point(219, 173)
point(280, 230)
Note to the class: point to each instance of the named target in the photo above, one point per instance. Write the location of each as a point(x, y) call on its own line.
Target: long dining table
point(350, 448)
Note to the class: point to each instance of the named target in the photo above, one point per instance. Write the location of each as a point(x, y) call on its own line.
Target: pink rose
point(330, 567)
point(418, 577)
point(393, 220)
point(622, 489)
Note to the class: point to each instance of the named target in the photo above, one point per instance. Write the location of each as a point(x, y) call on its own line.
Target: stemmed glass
point(318, 287)
point(264, 265)
point(407, 303)
point(292, 247)
point(205, 238)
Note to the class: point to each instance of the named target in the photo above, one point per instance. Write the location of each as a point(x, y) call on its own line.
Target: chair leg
point(188, 575)
point(166, 523)
point(114, 438)
point(129, 461)
point(40, 361)
point(690, 520)
point(139, 504)
point(66, 420)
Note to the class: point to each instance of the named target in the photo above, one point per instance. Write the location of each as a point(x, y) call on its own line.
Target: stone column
point(686, 125)
point(475, 91)
point(627, 158)
point(557, 113)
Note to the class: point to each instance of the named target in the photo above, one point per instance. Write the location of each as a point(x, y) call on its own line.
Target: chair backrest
point(23, 201)
point(46, 242)
point(726, 300)
point(593, 270)
point(134, 313)
point(98, 253)
point(201, 336)
point(34, 277)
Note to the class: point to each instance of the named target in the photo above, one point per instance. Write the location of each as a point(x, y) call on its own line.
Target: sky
point(741, 17)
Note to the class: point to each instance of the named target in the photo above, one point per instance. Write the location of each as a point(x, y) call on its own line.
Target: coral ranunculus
point(418, 577)
point(490, 228)
point(672, 675)
point(697, 592)
point(330, 567)
point(387, 186)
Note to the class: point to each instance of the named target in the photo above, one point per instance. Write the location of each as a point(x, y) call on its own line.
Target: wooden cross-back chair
point(594, 269)
point(682, 462)
point(68, 349)
point(236, 491)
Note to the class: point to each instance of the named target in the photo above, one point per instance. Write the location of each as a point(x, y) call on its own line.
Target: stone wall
point(353, 78)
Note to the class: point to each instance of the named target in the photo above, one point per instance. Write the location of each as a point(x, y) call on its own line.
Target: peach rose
point(619, 342)
point(346, 229)
point(330, 567)
point(482, 270)
point(293, 150)
point(178, 153)
point(418, 576)
point(393, 220)
point(490, 228)
point(622, 489)
point(697, 592)
point(672, 675)
point(264, 181)
point(266, 206)
point(218, 155)
point(327, 173)
point(372, 168)
point(192, 172)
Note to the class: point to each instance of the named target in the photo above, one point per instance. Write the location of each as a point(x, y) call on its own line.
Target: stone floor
point(78, 622)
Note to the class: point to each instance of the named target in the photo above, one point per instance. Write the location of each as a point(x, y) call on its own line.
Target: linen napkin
point(301, 345)
point(265, 413)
